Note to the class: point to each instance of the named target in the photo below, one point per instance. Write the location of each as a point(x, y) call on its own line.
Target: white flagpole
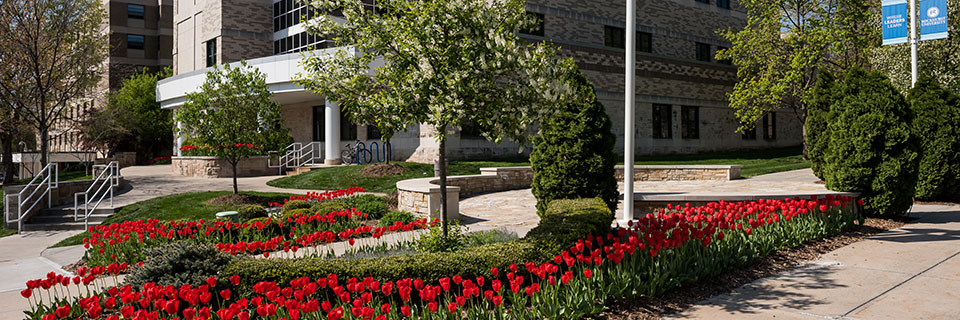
point(628, 134)
point(913, 42)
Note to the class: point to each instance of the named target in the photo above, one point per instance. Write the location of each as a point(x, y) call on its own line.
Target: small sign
point(933, 19)
point(895, 21)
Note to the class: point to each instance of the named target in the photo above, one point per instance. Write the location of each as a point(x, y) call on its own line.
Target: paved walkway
point(908, 273)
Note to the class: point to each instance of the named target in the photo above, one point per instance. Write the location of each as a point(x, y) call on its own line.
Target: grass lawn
point(6, 232)
point(754, 162)
point(190, 206)
point(349, 176)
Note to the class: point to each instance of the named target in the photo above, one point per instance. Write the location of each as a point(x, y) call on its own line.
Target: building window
point(749, 134)
point(703, 1)
point(723, 4)
point(348, 130)
point(211, 52)
point(319, 133)
point(723, 61)
point(135, 11)
point(470, 130)
point(538, 30)
point(770, 126)
point(135, 41)
point(613, 37)
point(662, 121)
point(690, 122)
point(703, 52)
point(644, 42)
point(373, 132)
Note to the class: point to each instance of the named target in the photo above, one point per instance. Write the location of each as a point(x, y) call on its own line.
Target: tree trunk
point(233, 164)
point(443, 182)
point(44, 147)
point(6, 144)
point(803, 129)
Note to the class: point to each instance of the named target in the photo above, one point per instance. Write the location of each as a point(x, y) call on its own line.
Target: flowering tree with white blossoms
point(437, 62)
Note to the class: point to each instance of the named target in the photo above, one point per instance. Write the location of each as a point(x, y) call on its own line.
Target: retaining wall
point(214, 167)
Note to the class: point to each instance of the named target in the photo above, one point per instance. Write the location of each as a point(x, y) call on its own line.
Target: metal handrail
point(50, 178)
point(111, 180)
point(298, 155)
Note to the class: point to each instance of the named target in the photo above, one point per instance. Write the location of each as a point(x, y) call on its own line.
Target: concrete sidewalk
point(908, 273)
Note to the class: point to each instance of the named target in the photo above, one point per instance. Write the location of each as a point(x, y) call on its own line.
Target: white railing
point(102, 186)
point(49, 178)
point(298, 155)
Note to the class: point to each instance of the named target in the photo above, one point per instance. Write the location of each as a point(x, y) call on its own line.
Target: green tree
point(573, 155)
point(872, 149)
point(820, 97)
point(437, 62)
point(937, 124)
point(939, 59)
point(132, 119)
point(231, 110)
point(783, 45)
point(52, 54)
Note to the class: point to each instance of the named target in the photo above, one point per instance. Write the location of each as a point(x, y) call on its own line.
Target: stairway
point(295, 171)
point(61, 218)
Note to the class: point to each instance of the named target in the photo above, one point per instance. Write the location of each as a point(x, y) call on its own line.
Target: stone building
point(141, 39)
point(681, 89)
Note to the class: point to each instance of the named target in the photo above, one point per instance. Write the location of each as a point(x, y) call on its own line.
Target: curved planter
point(214, 167)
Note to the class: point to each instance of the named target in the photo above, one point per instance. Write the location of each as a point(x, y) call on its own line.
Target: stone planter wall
point(422, 196)
point(213, 167)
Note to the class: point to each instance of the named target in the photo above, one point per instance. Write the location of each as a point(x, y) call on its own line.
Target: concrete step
point(98, 216)
point(56, 226)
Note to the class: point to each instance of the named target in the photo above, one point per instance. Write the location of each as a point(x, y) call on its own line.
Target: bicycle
point(356, 153)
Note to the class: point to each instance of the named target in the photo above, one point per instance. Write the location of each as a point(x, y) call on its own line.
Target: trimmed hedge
point(564, 223)
point(251, 212)
point(872, 149)
point(818, 117)
point(295, 204)
point(573, 155)
point(937, 124)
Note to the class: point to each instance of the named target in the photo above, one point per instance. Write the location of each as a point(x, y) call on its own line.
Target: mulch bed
point(682, 298)
point(378, 170)
point(237, 200)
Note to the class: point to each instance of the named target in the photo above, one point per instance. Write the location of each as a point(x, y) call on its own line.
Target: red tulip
point(405, 310)
point(225, 294)
point(587, 273)
point(63, 311)
point(452, 307)
point(26, 293)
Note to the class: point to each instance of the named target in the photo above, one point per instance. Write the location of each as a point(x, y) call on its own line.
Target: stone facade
point(213, 167)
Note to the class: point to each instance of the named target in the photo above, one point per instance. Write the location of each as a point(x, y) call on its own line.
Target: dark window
point(134, 41)
point(662, 121)
point(470, 130)
point(690, 122)
point(703, 52)
point(644, 42)
point(135, 11)
point(348, 130)
point(703, 1)
point(613, 37)
point(211, 52)
point(276, 9)
point(770, 126)
point(723, 61)
point(318, 124)
point(749, 134)
point(373, 132)
point(724, 4)
point(538, 30)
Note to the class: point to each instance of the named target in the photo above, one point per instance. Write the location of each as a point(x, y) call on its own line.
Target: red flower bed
point(658, 251)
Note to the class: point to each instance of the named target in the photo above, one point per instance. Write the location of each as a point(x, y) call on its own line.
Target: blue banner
point(894, 14)
point(933, 19)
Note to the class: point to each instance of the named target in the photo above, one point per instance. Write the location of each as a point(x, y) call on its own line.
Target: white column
point(628, 119)
point(331, 144)
point(180, 138)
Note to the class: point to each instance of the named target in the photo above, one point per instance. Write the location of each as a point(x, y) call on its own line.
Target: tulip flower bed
point(125, 242)
point(659, 251)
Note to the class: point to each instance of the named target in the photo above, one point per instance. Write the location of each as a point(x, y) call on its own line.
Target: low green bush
point(394, 216)
point(374, 206)
point(179, 263)
point(294, 205)
point(252, 212)
point(434, 241)
point(476, 239)
point(564, 224)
